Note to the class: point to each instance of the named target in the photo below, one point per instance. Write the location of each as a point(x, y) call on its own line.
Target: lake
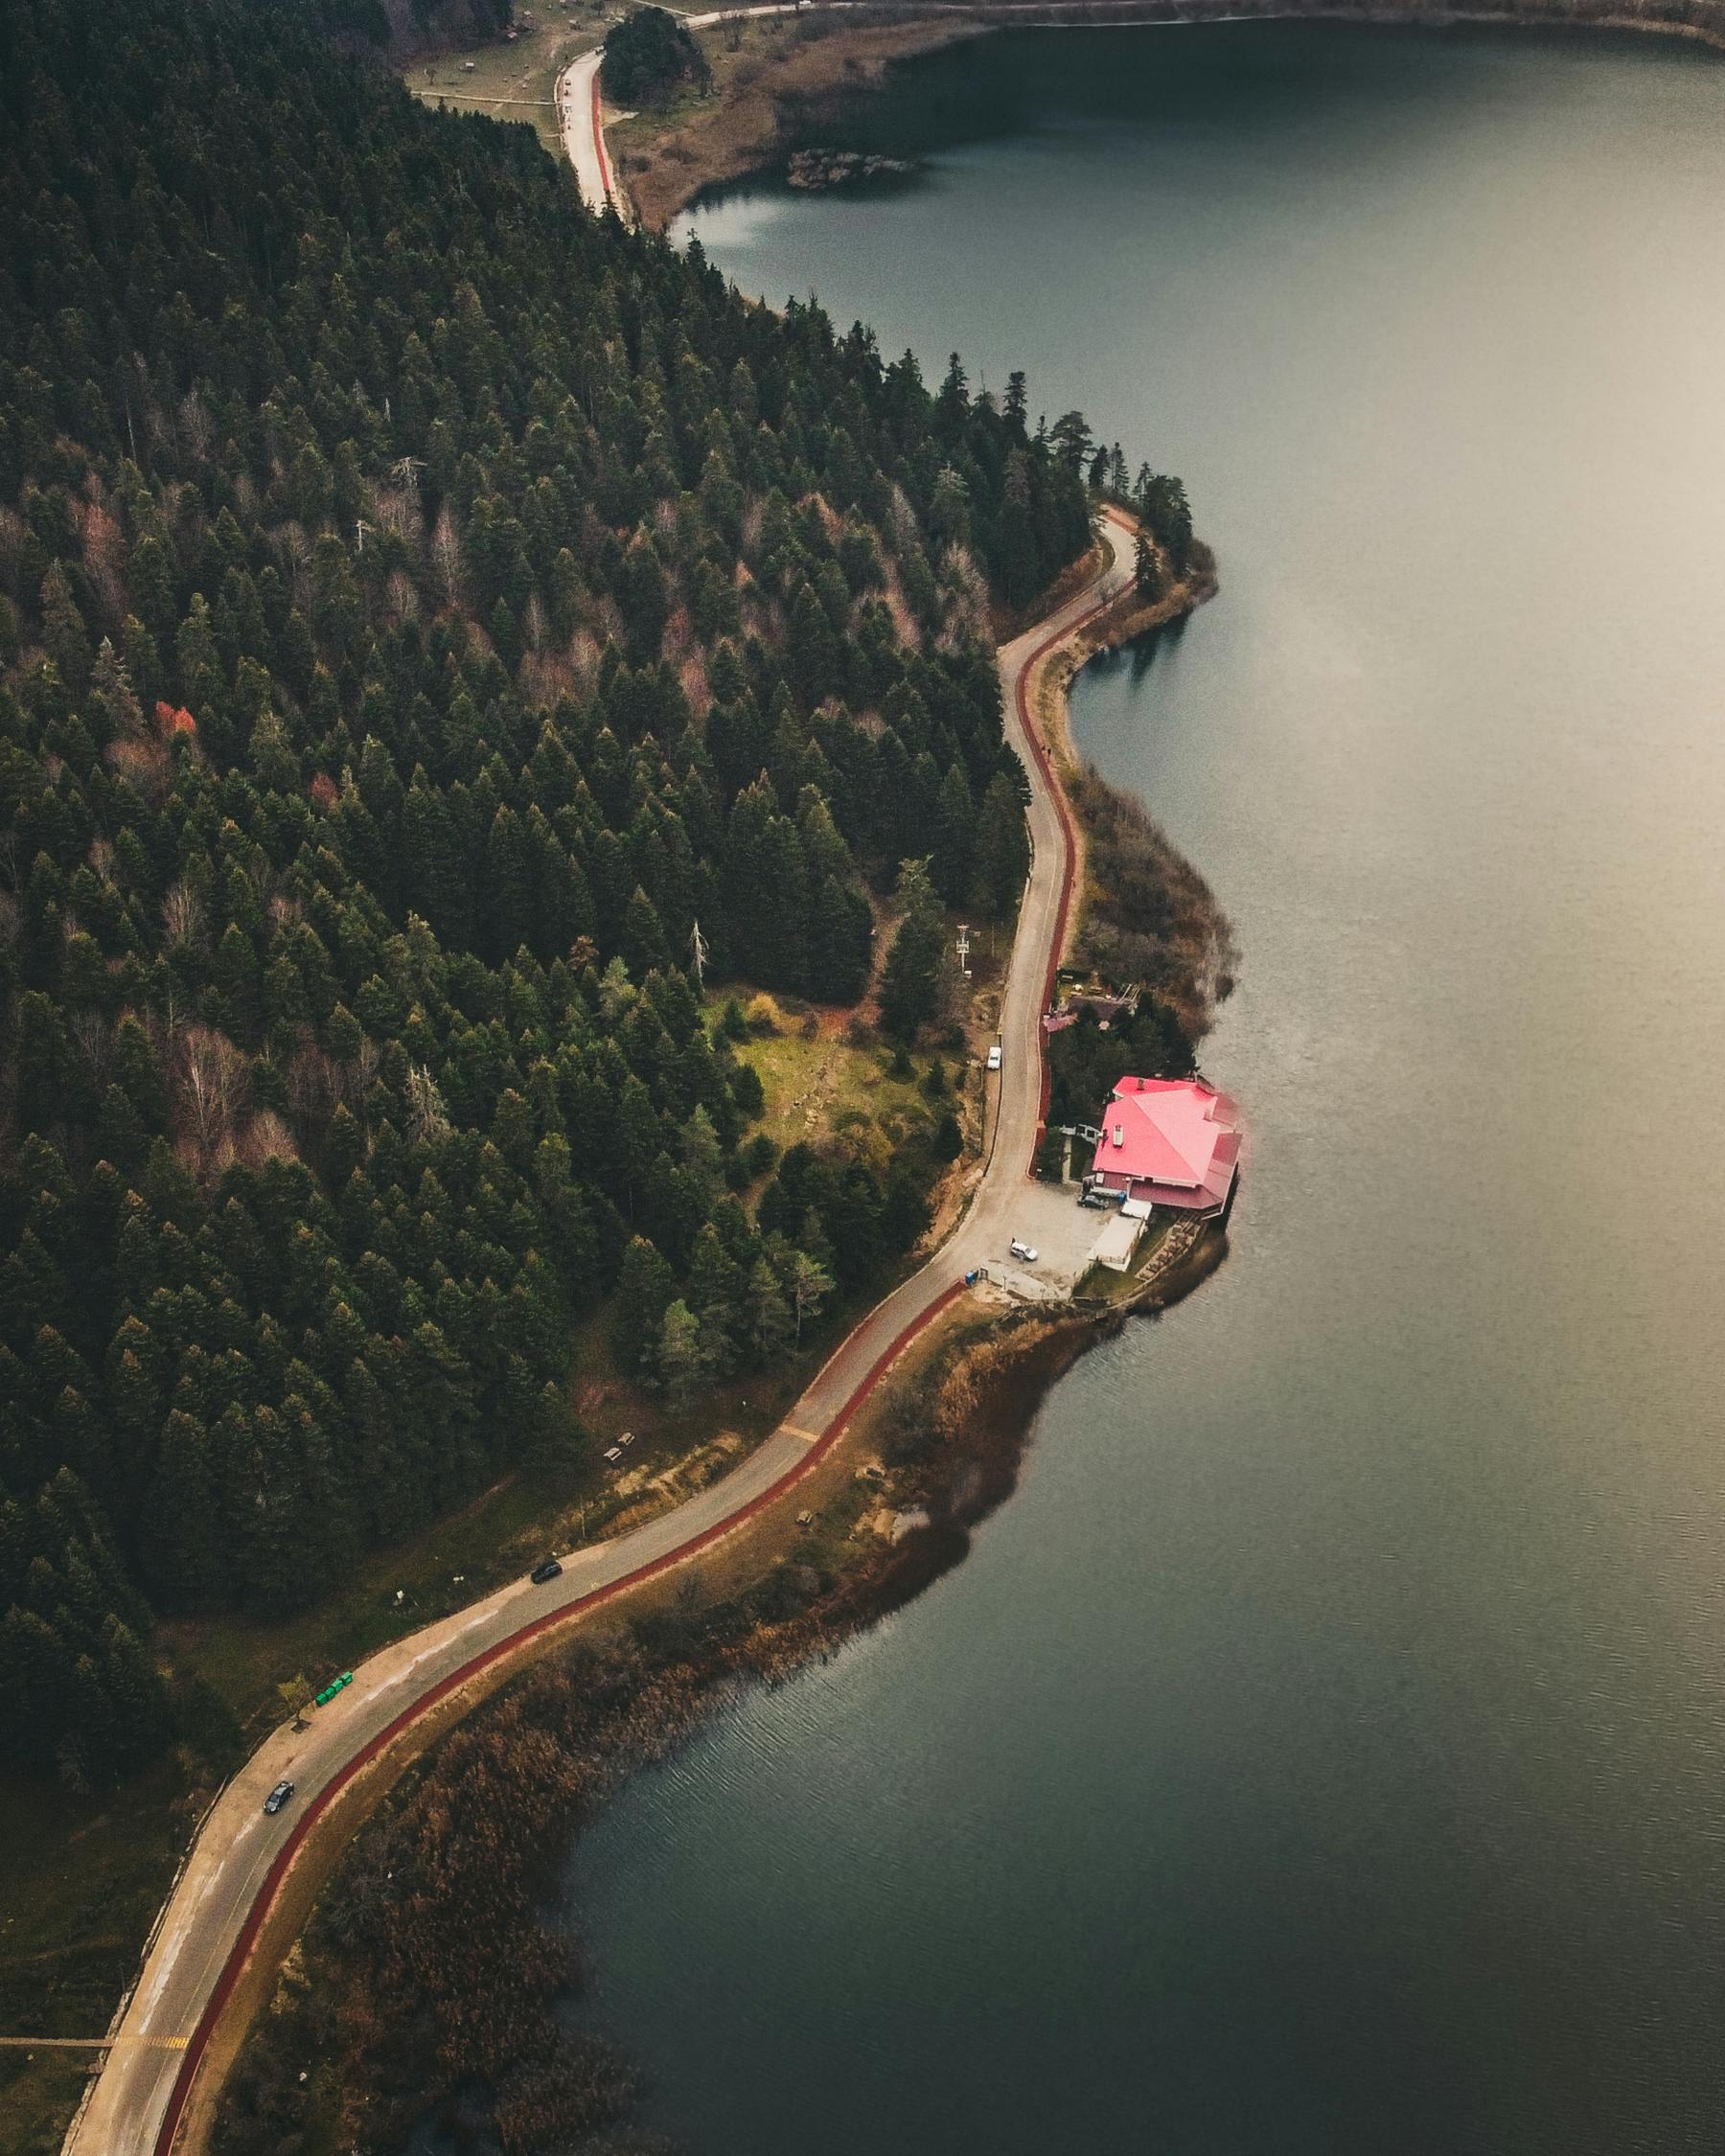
point(1324, 1752)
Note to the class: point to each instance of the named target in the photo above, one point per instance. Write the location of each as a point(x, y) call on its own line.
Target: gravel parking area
point(1060, 1231)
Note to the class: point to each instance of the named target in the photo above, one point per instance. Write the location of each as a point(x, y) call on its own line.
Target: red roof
point(1173, 1141)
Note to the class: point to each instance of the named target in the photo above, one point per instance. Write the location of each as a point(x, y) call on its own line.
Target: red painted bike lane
point(319, 1805)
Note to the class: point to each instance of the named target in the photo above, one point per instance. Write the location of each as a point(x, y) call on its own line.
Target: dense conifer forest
point(420, 604)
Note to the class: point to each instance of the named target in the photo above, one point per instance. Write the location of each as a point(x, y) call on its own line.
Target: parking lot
point(1060, 1231)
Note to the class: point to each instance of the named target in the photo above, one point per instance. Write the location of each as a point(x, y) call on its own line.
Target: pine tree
point(1002, 848)
point(840, 942)
point(957, 825)
point(643, 598)
point(644, 937)
point(183, 1541)
point(645, 1287)
point(806, 1284)
point(35, 1686)
point(1147, 569)
point(684, 1355)
point(765, 1315)
point(909, 985)
point(63, 631)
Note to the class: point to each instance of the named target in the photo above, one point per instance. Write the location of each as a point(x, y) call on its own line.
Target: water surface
point(1324, 1752)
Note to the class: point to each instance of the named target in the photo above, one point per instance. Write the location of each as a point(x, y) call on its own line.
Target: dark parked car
point(278, 1796)
point(549, 1569)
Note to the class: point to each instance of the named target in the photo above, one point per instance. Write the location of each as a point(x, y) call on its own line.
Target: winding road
point(240, 1856)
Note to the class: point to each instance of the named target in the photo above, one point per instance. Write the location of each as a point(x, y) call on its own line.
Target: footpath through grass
point(513, 81)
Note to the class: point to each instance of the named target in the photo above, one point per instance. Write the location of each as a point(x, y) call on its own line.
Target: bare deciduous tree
point(427, 1119)
point(266, 1138)
point(403, 597)
point(210, 1095)
point(89, 1031)
point(144, 765)
point(446, 553)
point(182, 917)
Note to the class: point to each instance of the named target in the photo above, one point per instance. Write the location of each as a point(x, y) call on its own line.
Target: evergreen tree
point(645, 1288)
point(767, 1316)
point(1147, 569)
point(1002, 853)
point(405, 640)
point(806, 1285)
point(909, 985)
point(686, 1357)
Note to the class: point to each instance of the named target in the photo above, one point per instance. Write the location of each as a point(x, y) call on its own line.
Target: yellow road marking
point(92, 2043)
point(808, 1436)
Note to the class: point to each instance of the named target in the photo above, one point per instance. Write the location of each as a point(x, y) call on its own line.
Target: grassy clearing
point(821, 1083)
point(83, 1880)
point(39, 2095)
point(513, 81)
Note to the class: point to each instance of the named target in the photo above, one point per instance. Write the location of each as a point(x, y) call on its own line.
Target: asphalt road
point(577, 96)
point(237, 1859)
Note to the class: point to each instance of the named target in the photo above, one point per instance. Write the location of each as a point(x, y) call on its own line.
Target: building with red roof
point(1167, 1141)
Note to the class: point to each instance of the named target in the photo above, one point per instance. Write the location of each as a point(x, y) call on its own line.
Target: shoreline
point(1048, 711)
point(684, 159)
point(986, 1371)
point(248, 1896)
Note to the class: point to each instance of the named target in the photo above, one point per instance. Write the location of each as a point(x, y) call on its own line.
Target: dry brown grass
point(510, 81)
point(778, 64)
point(1148, 914)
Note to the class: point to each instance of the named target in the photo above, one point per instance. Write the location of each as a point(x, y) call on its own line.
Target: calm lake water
point(1325, 1751)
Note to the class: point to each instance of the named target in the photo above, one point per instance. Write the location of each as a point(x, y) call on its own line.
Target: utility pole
point(361, 528)
point(698, 945)
point(964, 949)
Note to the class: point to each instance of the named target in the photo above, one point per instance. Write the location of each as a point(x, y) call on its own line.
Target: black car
point(549, 1569)
point(278, 1796)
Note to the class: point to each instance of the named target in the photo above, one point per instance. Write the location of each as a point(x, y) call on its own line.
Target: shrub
point(758, 1157)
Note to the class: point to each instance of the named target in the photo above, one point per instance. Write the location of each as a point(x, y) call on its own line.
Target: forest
point(421, 604)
